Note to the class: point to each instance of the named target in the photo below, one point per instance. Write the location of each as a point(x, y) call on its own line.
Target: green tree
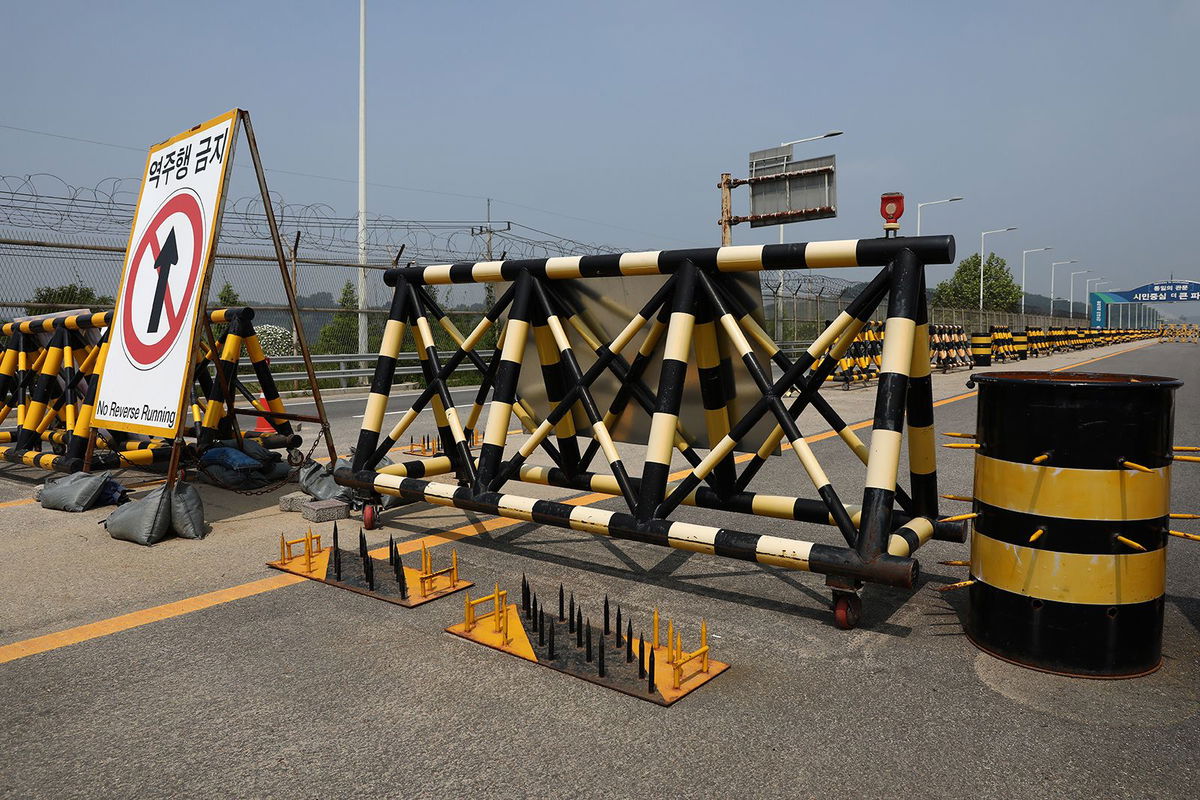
point(340, 334)
point(56, 298)
point(226, 298)
point(961, 290)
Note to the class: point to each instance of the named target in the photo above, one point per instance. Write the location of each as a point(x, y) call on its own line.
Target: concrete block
point(293, 501)
point(325, 510)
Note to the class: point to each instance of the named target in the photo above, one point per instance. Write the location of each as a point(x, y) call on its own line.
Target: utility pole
point(726, 208)
point(362, 176)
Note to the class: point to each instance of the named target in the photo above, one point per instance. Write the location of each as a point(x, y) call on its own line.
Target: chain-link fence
point(61, 271)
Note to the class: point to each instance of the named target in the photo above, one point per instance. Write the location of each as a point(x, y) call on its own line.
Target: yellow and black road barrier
point(1071, 506)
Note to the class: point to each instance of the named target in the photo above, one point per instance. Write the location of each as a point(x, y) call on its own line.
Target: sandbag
point(229, 458)
point(145, 521)
point(318, 483)
point(187, 512)
point(78, 491)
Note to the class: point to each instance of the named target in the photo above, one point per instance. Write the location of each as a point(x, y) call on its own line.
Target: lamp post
point(932, 203)
point(1071, 307)
point(981, 259)
point(1023, 254)
point(362, 176)
point(1054, 264)
point(827, 135)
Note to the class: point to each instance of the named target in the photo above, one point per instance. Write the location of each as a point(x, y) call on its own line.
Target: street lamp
point(1023, 254)
point(827, 135)
point(981, 237)
point(813, 138)
point(1071, 307)
point(1054, 264)
point(932, 203)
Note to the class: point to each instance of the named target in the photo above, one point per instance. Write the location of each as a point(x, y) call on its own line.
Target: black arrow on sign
point(167, 258)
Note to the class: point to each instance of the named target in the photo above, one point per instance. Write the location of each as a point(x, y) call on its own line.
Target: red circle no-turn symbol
point(161, 284)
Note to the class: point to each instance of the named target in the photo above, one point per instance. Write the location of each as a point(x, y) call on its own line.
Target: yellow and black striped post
point(1072, 492)
point(981, 349)
point(1021, 342)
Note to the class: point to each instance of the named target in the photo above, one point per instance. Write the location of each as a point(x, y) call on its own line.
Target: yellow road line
point(94, 630)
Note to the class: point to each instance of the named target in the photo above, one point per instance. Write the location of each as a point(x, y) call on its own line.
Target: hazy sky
point(1077, 122)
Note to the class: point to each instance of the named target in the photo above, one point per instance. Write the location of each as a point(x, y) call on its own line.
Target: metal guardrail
point(406, 364)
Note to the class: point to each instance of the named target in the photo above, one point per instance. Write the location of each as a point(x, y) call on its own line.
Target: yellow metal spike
point(1186, 458)
point(955, 563)
point(958, 435)
point(952, 586)
point(656, 627)
point(1041, 458)
point(282, 549)
point(1130, 543)
point(1186, 449)
point(1190, 536)
point(1184, 516)
point(1139, 467)
point(962, 445)
point(958, 517)
point(1036, 535)
point(959, 497)
point(670, 638)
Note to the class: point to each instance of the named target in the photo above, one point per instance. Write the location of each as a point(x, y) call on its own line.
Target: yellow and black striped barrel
point(1072, 492)
point(981, 349)
point(1021, 342)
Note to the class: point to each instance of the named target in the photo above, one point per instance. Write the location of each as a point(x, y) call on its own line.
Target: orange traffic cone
point(263, 425)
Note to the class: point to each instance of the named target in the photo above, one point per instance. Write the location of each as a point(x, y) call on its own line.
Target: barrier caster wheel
point(846, 611)
point(295, 458)
point(370, 517)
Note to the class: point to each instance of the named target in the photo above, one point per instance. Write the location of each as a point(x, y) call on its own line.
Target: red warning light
point(891, 206)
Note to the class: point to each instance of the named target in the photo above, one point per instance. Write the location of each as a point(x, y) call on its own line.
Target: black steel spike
point(571, 614)
point(579, 627)
point(600, 661)
point(362, 543)
point(533, 609)
point(629, 641)
point(391, 551)
point(541, 626)
point(524, 595)
point(337, 558)
point(641, 655)
point(561, 615)
point(617, 627)
point(550, 651)
point(606, 629)
point(369, 569)
point(401, 579)
point(650, 687)
point(588, 652)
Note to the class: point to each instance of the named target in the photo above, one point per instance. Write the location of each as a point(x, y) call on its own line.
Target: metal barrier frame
point(697, 304)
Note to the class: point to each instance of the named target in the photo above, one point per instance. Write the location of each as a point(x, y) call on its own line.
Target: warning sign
point(144, 378)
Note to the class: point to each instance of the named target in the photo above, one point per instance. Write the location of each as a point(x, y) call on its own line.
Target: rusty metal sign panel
point(783, 190)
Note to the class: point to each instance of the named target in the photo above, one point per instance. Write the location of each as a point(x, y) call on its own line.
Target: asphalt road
point(306, 691)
